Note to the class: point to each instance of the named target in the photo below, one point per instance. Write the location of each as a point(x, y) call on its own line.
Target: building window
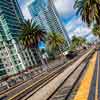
point(29, 63)
point(19, 61)
point(15, 62)
point(1, 54)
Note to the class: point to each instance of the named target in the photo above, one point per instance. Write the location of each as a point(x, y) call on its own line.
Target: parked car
point(71, 54)
point(84, 47)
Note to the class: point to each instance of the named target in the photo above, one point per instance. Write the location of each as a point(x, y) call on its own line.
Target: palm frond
point(32, 34)
point(88, 9)
point(54, 40)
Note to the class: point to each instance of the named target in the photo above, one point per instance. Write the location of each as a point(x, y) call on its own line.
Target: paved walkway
point(89, 88)
point(57, 62)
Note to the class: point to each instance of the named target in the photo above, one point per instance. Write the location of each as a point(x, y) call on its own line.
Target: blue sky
point(72, 23)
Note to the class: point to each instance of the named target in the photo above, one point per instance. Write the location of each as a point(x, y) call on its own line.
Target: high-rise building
point(47, 16)
point(12, 57)
point(55, 19)
point(37, 9)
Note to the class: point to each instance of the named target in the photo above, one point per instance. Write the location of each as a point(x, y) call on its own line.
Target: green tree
point(31, 35)
point(96, 30)
point(77, 41)
point(89, 10)
point(55, 41)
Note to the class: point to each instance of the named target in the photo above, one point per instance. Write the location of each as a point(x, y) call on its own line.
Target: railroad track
point(68, 89)
point(37, 95)
point(72, 82)
point(42, 82)
point(45, 80)
point(92, 87)
point(37, 77)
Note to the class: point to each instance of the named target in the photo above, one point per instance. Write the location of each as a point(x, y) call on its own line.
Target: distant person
point(45, 58)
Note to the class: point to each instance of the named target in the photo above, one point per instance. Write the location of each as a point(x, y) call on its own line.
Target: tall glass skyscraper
point(37, 10)
point(56, 21)
point(47, 17)
point(12, 57)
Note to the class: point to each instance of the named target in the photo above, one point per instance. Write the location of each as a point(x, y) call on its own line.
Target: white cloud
point(64, 7)
point(81, 31)
point(77, 27)
point(26, 12)
point(74, 23)
point(24, 0)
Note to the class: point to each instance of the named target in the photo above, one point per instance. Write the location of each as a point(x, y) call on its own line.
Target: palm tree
point(82, 41)
point(96, 30)
point(55, 41)
point(89, 10)
point(31, 35)
point(77, 41)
